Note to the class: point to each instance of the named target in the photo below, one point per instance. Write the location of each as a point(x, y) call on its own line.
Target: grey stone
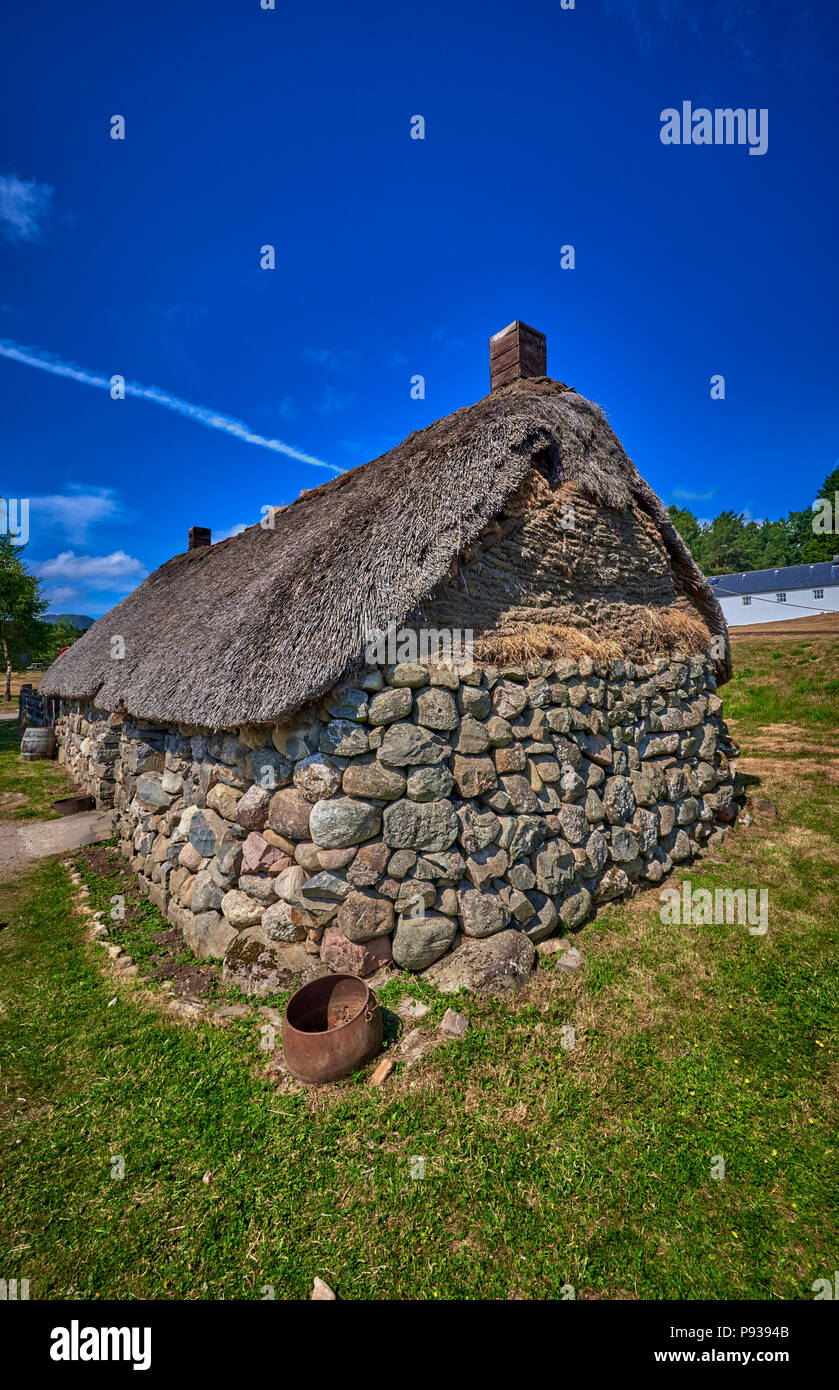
point(419, 941)
point(570, 960)
point(207, 895)
point(348, 704)
point(207, 832)
point(485, 865)
point(370, 778)
point(429, 783)
point(618, 800)
point(343, 739)
point(613, 884)
point(344, 821)
point(269, 769)
point(390, 705)
point(482, 914)
point(492, 965)
point(575, 908)
point(258, 966)
point(475, 701)
point(521, 876)
point(594, 810)
point(478, 829)
point(428, 825)
point(521, 835)
point(454, 1024)
point(554, 867)
point(409, 673)
point(208, 935)
point(407, 745)
point(149, 792)
point(500, 732)
point(575, 827)
point(316, 777)
point(624, 845)
point(324, 887)
point(280, 922)
point(545, 919)
point(436, 709)
point(473, 737)
point(508, 699)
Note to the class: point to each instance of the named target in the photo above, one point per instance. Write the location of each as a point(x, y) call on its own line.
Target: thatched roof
point(250, 629)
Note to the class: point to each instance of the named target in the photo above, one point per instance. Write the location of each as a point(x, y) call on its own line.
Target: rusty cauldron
point(331, 1026)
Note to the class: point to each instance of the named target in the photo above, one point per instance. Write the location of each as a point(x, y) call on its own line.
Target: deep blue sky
point(397, 256)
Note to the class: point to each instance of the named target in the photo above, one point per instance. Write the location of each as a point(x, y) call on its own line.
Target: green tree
point(21, 607)
point(686, 524)
point(724, 546)
point(821, 545)
point(58, 636)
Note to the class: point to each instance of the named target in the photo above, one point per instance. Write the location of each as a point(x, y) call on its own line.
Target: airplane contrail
point(47, 362)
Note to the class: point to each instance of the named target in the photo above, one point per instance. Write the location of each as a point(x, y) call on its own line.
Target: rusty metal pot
point(331, 1026)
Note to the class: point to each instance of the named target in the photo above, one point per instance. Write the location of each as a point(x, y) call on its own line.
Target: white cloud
point(75, 511)
point(233, 531)
point(63, 594)
point(48, 362)
point(115, 571)
point(24, 207)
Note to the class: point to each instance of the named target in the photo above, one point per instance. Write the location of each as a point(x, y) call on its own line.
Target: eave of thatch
point(251, 629)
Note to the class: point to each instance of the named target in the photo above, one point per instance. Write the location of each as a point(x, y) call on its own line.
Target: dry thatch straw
point(251, 629)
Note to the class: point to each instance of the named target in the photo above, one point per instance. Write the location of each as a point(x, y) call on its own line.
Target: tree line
point(730, 544)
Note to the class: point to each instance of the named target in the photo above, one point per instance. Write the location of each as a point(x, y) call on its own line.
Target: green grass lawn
point(40, 783)
point(544, 1166)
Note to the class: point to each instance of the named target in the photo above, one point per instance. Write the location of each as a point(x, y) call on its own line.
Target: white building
point(769, 596)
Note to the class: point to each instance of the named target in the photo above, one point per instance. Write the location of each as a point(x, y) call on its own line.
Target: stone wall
point(412, 808)
point(34, 709)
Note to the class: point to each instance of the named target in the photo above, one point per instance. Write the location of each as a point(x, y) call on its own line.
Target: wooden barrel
point(37, 743)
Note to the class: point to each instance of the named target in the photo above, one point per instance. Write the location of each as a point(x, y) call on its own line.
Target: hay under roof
point(251, 629)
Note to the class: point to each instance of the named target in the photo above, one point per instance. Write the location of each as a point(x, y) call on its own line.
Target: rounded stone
point(390, 705)
point(436, 709)
point(482, 914)
point(344, 821)
point(240, 910)
point(316, 778)
point(419, 941)
point(365, 915)
point(372, 779)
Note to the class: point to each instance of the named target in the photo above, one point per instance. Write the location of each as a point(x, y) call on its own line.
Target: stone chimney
point(199, 535)
point(517, 351)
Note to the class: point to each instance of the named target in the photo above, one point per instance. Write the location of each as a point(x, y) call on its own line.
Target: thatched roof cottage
point(301, 768)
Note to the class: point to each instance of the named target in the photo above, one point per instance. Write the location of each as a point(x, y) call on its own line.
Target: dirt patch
point(190, 979)
point(13, 799)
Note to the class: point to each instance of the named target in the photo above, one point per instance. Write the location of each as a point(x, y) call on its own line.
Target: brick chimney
point(517, 351)
point(199, 535)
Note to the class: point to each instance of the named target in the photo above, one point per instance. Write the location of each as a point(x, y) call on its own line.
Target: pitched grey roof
point(251, 629)
point(815, 576)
